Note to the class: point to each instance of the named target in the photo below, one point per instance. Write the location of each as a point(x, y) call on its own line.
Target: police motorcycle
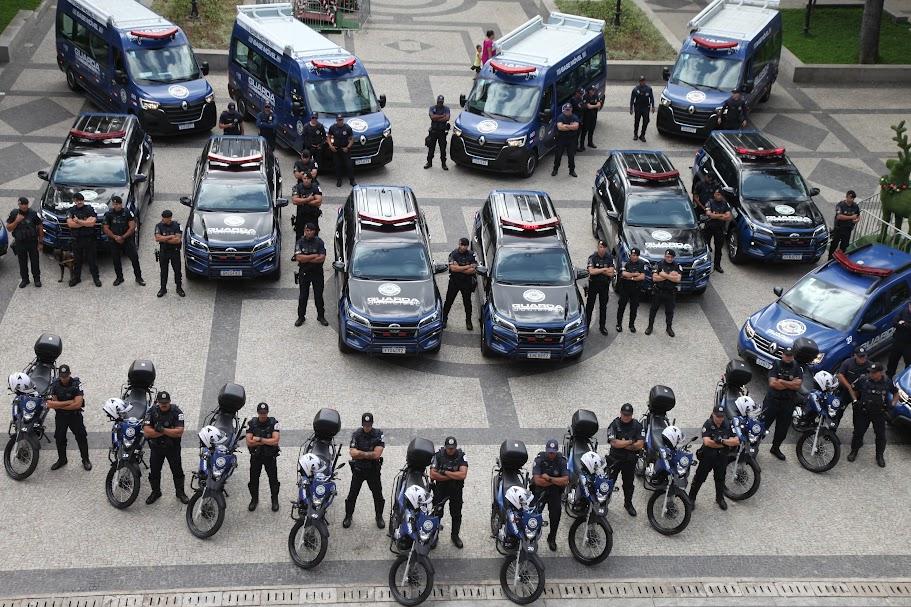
point(29, 408)
point(516, 523)
point(819, 448)
point(664, 465)
point(413, 527)
point(588, 493)
point(317, 466)
point(219, 441)
point(743, 474)
point(127, 415)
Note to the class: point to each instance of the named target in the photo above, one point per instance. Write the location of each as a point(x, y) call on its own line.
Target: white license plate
point(763, 363)
point(231, 273)
point(791, 257)
point(394, 350)
point(688, 129)
point(361, 161)
point(186, 126)
point(481, 161)
point(540, 355)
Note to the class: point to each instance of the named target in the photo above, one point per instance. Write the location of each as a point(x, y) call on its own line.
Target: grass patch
point(636, 38)
point(835, 36)
point(212, 29)
point(9, 8)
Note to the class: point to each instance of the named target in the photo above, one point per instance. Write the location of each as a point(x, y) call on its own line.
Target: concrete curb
point(11, 32)
point(218, 59)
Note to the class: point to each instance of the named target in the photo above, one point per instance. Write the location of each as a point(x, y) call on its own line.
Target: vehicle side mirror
point(581, 273)
point(439, 267)
point(545, 115)
point(204, 68)
point(339, 265)
point(868, 328)
point(729, 191)
point(43, 175)
point(666, 73)
point(281, 202)
point(462, 100)
point(139, 178)
point(340, 466)
point(748, 85)
point(382, 100)
point(778, 291)
point(481, 270)
point(814, 191)
point(297, 107)
point(120, 77)
point(185, 201)
point(614, 215)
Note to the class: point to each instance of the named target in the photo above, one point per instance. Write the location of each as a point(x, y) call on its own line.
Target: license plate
point(394, 350)
point(539, 355)
point(186, 126)
point(231, 273)
point(688, 129)
point(361, 161)
point(791, 257)
point(763, 363)
point(481, 161)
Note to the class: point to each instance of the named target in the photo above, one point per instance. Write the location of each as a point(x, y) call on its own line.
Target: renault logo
point(773, 347)
point(691, 109)
point(482, 140)
point(363, 140)
point(183, 104)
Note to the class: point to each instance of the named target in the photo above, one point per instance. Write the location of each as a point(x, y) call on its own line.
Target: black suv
point(775, 218)
point(103, 155)
point(234, 227)
point(530, 304)
point(638, 200)
point(388, 300)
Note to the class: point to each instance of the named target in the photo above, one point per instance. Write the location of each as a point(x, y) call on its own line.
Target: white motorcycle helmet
point(672, 436)
point(212, 436)
point(114, 408)
point(591, 461)
point(310, 464)
point(415, 496)
point(825, 380)
point(518, 497)
point(21, 383)
point(745, 405)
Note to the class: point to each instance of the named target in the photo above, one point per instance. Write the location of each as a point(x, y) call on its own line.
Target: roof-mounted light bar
point(243, 162)
point(398, 221)
point(857, 268)
point(511, 69)
point(90, 136)
point(650, 176)
point(714, 45)
point(166, 34)
point(530, 226)
point(334, 64)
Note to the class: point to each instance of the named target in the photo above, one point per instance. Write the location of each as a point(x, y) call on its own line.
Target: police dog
point(65, 259)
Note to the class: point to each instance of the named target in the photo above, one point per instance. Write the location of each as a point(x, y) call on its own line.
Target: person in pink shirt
point(487, 50)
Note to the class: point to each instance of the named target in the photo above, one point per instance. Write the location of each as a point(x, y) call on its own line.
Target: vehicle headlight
point(429, 318)
point(148, 104)
point(502, 322)
point(210, 97)
point(28, 415)
point(387, 131)
point(317, 501)
point(820, 230)
point(355, 317)
point(702, 260)
point(664, 101)
point(572, 326)
point(128, 442)
point(818, 359)
point(516, 142)
point(456, 131)
point(532, 528)
point(749, 330)
point(902, 395)
point(603, 487)
point(195, 242)
point(265, 244)
point(683, 464)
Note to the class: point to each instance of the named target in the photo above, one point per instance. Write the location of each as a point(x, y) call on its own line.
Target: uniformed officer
point(901, 340)
point(717, 438)
point(26, 227)
point(266, 122)
point(626, 438)
point(462, 279)
point(448, 472)
point(263, 435)
point(81, 222)
point(600, 271)
point(436, 135)
point(310, 253)
point(314, 135)
point(847, 214)
point(119, 225)
point(306, 165)
point(67, 399)
point(340, 139)
point(576, 102)
point(168, 236)
point(231, 122)
point(702, 193)
point(785, 379)
point(163, 429)
point(567, 132)
point(366, 450)
point(631, 278)
point(718, 212)
point(641, 102)
point(875, 394)
point(592, 103)
point(734, 113)
point(849, 372)
point(307, 198)
point(549, 476)
point(666, 275)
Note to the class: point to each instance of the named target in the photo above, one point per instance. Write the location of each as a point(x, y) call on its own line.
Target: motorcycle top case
point(231, 398)
point(420, 453)
point(805, 350)
point(513, 455)
point(737, 374)
point(326, 423)
point(48, 348)
point(661, 399)
point(585, 423)
point(141, 373)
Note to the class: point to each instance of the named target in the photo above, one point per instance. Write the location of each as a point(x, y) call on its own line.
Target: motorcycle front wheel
point(308, 542)
point(205, 513)
point(678, 513)
point(741, 479)
point(826, 455)
point(20, 457)
point(414, 586)
point(528, 585)
point(590, 541)
point(122, 485)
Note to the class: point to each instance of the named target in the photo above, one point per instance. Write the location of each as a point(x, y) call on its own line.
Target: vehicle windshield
point(497, 99)
point(535, 267)
point(774, 185)
point(663, 212)
point(390, 261)
point(91, 169)
point(348, 96)
point(163, 65)
point(698, 70)
point(823, 303)
point(235, 197)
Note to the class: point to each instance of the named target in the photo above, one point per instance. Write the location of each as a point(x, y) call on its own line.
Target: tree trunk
point(869, 31)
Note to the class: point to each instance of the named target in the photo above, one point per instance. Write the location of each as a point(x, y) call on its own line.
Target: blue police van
point(900, 414)
point(277, 59)
point(130, 60)
point(733, 44)
point(849, 302)
point(508, 121)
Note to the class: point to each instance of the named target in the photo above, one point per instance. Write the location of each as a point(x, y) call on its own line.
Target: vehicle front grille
point(177, 114)
point(383, 331)
point(221, 257)
point(539, 337)
point(794, 243)
point(698, 118)
point(766, 346)
point(370, 147)
point(489, 150)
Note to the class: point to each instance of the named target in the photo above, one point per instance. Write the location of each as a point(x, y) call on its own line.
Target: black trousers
point(436, 138)
point(898, 351)
point(840, 240)
point(714, 461)
point(85, 251)
point(305, 279)
point(343, 164)
point(643, 117)
point(157, 456)
point(778, 411)
point(256, 468)
point(587, 129)
point(863, 417)
point(72, 421)
point(452, 491)
point(668, 299)
point(28, 253)
point(552, 497)
point(716, 234)
point(601, 292)
point(567, 145)
point(455, 287)
point(127, 248)
point(172, 258)
point(372, 478)
point(628, 469)
point(631, 296)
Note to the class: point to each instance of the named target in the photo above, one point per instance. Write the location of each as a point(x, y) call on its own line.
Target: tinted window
point(390, 261)
point(99, 50)
point(666, 212)
point(275, 79)
point(236, 197)
point(65, 25)
point(526, 266)
point(81, 169)
point(241, 53)
point(898, 295)
point(727, 172)
point(773, 185)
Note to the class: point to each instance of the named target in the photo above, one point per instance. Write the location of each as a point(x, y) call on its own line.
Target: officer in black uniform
point(549, 476)
point(641, 102)
point(119, 225)
point(626, 438)
point(340, 139)
point(702, 193)
point(785, 379)
point(717, 439)
point(307, 197)
point(875, 394)
point(592, 103)
point(567, 133)
point(263, 435)
point(462, 279)
point(631, 279)
point(576, 102)
point(314, 136)
point(168, 236)
point(267, 122)
point(901, 340)
point(68, 400)
point(666, 275)
point(306, 165)
point(448, 472)
point(734, 113)
point(718, 212)
point(849, 372)
point(600, 271)
point(310, 253)
point(26, 227)
point(231, 122)
point(847, 214)
point(436, 135)
point(366, 450)
point(163, 429)
point(81, 222)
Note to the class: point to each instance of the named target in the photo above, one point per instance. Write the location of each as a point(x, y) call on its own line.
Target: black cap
point(163, 397)
point(788, 350)
point(860, 351)
point(339, 117)
point(626, 408)
point(641, 77)
point(267, 105)
point(310, 226)
point(670, 252)
point(440, 99)
point(634, 250)
point(78, 196)
point(717, 190)
point(451, 442)
point(735, 91)
point(367, 418)
point(580, 90)
point(262, 408)
point(719, 410)
point(876, 367)
point(115, 199)
point(23, 200)
point(601, 243)
point(63, 370)
point(314, 115)
point(167, 213)
point(592, 87)
point(231, 106)
point(551, 446)
point(463, 241)
point(306, 152)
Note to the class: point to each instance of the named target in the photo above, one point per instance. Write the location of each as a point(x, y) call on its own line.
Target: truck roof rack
point(544, 43)
point(385, 207)
point(124, 15)
point(733, 19)
point(235, 153)
point(277, 27)
point(525, 213)
point(99, 129)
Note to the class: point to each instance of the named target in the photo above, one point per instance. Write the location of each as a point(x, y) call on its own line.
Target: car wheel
point(735, 252)
point(596, 228)
point(242, 107)
point(151, 181)
point(192, 276)
point(530, 165)
point(342, 346)
point(768, 93)
point(71, 81)
point(486, 352)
